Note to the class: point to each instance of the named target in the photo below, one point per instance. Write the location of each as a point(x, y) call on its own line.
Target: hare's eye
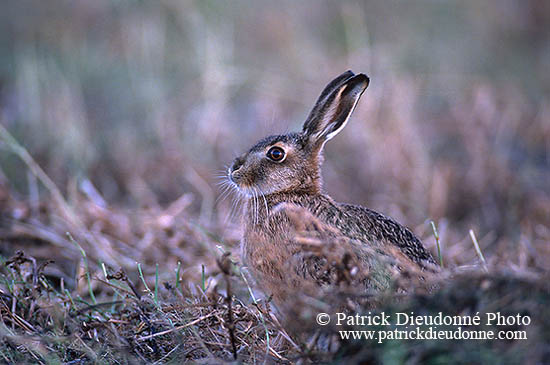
point(276, 154)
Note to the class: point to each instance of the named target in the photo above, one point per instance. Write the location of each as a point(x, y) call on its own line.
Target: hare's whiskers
point(235, 206)
point(265, 202)
point(232, 211)
point(257, 206)
point(225, 189)
point(256, 218)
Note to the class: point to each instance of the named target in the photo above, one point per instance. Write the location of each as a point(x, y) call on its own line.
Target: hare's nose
point(237, 164)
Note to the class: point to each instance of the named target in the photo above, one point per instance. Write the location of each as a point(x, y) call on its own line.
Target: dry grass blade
point(178, 328)
point(478, 250)
point(68, 213)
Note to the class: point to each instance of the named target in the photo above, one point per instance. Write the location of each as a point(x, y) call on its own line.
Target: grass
point(478, 250)
point(115, 119)
point(184, 327)
point(86, 267)
point(436, 235)
point(85, 321)
point(184, 319)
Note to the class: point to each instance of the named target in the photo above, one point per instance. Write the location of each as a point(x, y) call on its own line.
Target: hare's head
point(291, 162)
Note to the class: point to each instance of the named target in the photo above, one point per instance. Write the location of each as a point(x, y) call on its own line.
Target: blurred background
point(136, 104)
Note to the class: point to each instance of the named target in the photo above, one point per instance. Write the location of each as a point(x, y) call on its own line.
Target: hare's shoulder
point(383, 229)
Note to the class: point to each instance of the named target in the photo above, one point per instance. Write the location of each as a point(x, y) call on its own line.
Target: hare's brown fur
point(280, 191)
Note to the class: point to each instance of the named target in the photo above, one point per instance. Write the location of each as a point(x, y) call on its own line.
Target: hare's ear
point(334, 107)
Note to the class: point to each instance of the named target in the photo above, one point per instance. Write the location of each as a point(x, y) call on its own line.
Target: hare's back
point(368, 225)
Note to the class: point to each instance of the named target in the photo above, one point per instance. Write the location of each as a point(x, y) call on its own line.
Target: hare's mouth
point(244, 183)
point(238, 184)
point(243, 190)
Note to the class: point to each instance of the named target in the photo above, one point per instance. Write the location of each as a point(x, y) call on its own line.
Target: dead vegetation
point(84, 281)
point(100, 296)
point(113, 234)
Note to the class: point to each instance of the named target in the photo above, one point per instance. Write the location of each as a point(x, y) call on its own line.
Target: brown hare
point(293, 232)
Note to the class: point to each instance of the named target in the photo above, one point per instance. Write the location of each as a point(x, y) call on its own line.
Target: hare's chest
point(267, 244)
